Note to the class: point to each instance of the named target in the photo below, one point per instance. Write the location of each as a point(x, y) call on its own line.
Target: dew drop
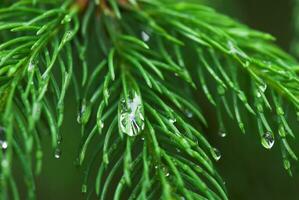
point(84, 112)
point(188, 113)
point(57, 153)
point(267, 140)
point(100, 124)
point(216, 154)
point(59, 139)
point(67, 36)
point(142, 138)
point(222, 133)
point(131, 115)
point(4, 163)
point(178, 150)
point(262, 87)
point(4, 145)
point(67, 18)
point(233, 49)
point(280, 111)
point(242, 127)
point(3, 142)
point(258, 94)
point(172, 120)
point(31, 66)
point(84, 188)
point(145, 36)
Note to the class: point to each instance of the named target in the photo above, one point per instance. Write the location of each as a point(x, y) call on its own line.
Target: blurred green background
point(250, 171)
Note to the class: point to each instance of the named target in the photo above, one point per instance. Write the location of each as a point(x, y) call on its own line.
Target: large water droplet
point(268, 140)
point(57, 153)
point(131, 114)
point(84, 112)
point(145, 36)
point(216, 154)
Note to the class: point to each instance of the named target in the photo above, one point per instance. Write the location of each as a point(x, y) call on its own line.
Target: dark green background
point(250, 171)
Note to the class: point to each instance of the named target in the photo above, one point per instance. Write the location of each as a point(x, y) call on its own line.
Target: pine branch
point(140, 65)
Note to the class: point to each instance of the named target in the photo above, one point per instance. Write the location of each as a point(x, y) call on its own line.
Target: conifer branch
point(139, 65)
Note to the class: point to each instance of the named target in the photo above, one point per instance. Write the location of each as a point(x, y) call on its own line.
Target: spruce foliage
point(137, 67)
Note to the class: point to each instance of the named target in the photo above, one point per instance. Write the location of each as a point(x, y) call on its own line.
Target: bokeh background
point(250, 171)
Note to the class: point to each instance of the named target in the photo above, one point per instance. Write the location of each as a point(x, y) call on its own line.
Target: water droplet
point(262, 87)
point(268, 140)
point(100, 125)
point(84, 188)
point(167, 174)
point(280, 111)
point(242, 127)
point(3, 142)
point(178, 150)
point(59, 139)
point(4, 163)
point(31, 66)
point(188, 113)
point(145, 36)
point(258, 94)
point(131, 115)
point(156, 167)
point(67, 36)
point(3, 145)
point(222, 133)
point(233, 49)
point(67, 18)
point(247, 63)
point(105, 158)
point(57, 153)
point(172, 120)
point(84, 112)
point(142, 138)
point(216, 154)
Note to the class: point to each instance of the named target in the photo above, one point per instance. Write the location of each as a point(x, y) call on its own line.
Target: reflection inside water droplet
point(268, 140)
point(145, 36)
point(131, 114)
point(57, 153)
point(222, 133)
